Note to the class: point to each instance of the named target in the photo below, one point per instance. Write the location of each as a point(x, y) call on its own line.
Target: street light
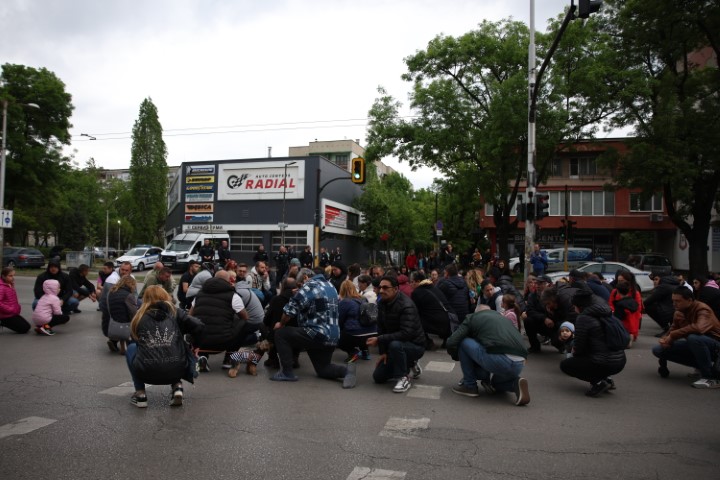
point(118, 236)
point(283, 225)
point(5, 103)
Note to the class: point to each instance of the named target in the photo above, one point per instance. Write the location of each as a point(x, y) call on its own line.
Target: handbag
point(453, 319)
point(117, 330)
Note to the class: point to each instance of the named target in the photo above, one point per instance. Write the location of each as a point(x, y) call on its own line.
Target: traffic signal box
point(357, 170)
point(541, 206)
point(587, 7)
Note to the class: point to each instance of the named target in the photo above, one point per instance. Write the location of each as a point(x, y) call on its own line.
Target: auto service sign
point(253, 181)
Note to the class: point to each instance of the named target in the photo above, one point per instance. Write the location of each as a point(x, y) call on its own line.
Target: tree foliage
point(148, 176)
point(672, 99)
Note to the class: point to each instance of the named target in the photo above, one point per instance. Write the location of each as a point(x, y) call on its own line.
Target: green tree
point(672, 102)
point(148, 176)
point(470, 99)
point(35, 138)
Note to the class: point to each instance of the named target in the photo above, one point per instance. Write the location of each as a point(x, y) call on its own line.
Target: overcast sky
point(231, 78)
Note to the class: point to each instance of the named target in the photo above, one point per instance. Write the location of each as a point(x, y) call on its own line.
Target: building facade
point(265, 201)
point(339, 152)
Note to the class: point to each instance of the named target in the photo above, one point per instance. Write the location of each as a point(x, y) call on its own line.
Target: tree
point(673, 103)
point(36, 136)
point(470, 98)
point(148, 176)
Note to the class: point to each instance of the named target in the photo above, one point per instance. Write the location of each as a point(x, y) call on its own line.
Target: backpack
point(508, 287)
point(368, 313)
point(616, 337)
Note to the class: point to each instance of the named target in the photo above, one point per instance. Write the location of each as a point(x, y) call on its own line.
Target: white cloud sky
point(262, 72)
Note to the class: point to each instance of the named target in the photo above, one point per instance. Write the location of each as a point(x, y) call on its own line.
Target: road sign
point(439, 225)
point(6, 217)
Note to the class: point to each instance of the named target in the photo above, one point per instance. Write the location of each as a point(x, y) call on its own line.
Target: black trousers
point(585, 369)
point(289, 338)
point(17, 324)
point(533, 328)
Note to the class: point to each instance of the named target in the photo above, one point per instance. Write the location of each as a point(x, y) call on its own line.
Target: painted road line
point(365, 473)
point(405, 428)
point(24, 425)
point(429, 392)
point(444, 367)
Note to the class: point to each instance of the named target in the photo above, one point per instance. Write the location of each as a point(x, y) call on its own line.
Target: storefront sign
point(199, 197)
point(193, 170)
point(199, 208)
point(206, 218)
point(334, 217)
point(203, 228)
point(260, 181)
point(204, 179)
point(200, 188)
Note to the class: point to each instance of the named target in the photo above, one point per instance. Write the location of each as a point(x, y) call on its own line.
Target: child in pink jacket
point(47, 312)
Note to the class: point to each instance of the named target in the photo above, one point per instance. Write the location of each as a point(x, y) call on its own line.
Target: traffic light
point(586, 7)
point(541, 206)
point(521, 212)
point(571, 230)
point(357, 172)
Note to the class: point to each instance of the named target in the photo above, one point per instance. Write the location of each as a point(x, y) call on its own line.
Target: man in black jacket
point(456, 291)
point(659, 304)
point(433, 308)
point(82, 287)
point(400, 340)
point(537, 319)
point(54, 272)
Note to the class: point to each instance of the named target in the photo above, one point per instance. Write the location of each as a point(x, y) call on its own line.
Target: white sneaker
point(707, 383)
point(403, 385)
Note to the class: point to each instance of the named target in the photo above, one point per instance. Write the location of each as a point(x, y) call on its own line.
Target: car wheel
point(11, 264)
point(141, 267)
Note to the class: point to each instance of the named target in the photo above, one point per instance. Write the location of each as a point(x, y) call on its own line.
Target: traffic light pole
point(531, 181)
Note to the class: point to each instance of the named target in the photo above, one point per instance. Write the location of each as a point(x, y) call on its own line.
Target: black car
point(20, 257)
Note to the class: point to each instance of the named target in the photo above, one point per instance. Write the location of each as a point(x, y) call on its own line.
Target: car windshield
point(180, 245)
point(136, 252)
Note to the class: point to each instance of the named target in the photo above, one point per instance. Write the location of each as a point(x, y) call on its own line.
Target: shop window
point(652, 204)
point(246, 241)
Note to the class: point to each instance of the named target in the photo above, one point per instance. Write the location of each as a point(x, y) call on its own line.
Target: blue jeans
point(400, 356)
point(697, 351)
point(130, 356)
point(478, 364)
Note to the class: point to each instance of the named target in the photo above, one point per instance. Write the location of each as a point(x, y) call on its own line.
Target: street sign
point(439, 233)
point(439, 226)
point(282, 226)
point(6, 217)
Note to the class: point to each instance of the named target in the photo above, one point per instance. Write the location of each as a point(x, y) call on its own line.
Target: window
point(652, 204)
point(592, 203)
point(342, 160)
point(298, 239)
point(582, 167)
point(556, 170)
point(557, 203)
point(245, 241)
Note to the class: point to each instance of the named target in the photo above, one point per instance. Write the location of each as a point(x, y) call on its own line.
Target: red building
point(576, 186)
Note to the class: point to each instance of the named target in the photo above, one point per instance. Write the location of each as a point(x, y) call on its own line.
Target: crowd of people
point(170, 332)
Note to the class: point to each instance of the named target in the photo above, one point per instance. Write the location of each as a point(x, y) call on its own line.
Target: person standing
point(207, 252)
point(324, 260)
point(9, 305)
point(282, 262)
point(538, 260)
point(306, 257)
point(224, 253)
point(260, 254)
point(400, 339)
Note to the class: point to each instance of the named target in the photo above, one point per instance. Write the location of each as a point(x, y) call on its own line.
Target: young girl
point(9, 305)
point(512, 311)
point(159, 354)
point(567, 337)
point(48, 311)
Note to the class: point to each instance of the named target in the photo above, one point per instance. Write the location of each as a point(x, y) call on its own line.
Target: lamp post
point(283, 225)
point(107, 235)
point(118, 237)
point(5, 103)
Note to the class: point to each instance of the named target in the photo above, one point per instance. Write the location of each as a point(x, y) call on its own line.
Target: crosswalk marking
point(405, 428)
point(444, 367)
point(365, 473)
point(24, 425)
point(429, 392)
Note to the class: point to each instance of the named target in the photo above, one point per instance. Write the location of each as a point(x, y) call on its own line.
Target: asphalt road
point(65, 414)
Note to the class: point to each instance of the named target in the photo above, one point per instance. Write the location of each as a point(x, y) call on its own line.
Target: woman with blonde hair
point(353, 334)
point(474, 279)
point(159, 355)
point(122, 306)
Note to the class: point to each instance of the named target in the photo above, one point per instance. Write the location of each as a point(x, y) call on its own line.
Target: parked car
point(140, 257)
point(651, 262)
point(20, 257)
point(608, 270)
point(556, 259)
point(99, 252)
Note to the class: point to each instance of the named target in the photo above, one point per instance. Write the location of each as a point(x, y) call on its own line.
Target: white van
point(185, 246)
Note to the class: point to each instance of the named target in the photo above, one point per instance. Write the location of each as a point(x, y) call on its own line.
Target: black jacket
point(399, 320)
point(213, 305)
point(77, 280)
point(710, 297)
point(63, 278)
point(659, 304)
point(429, 301)
point(456, 291)
point(122, 304)
point(590, 337)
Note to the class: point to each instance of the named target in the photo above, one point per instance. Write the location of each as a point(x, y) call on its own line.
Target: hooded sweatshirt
point(48, 305)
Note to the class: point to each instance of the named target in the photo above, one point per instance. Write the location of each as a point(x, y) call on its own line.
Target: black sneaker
point(77, 310)
point(202, 364)
point(611, 383)
point(467, 391)
point(597, 388)
point(139, 401)
point(227, 363)
point(176, 398)
point(663, 369)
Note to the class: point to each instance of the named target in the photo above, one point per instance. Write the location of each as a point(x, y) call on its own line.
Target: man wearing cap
point(490, 349)
point(592, 360)
point(536, 318)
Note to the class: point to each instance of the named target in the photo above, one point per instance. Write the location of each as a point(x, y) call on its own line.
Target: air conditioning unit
point(656, 217)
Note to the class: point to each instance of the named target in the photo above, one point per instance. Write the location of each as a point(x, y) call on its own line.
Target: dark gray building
point(252, 199)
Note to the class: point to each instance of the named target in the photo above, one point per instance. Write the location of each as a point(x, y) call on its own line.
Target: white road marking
point(365, 473)
point(429, 392)
point(24, 425)
point(405, 428)
point(445, 367)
